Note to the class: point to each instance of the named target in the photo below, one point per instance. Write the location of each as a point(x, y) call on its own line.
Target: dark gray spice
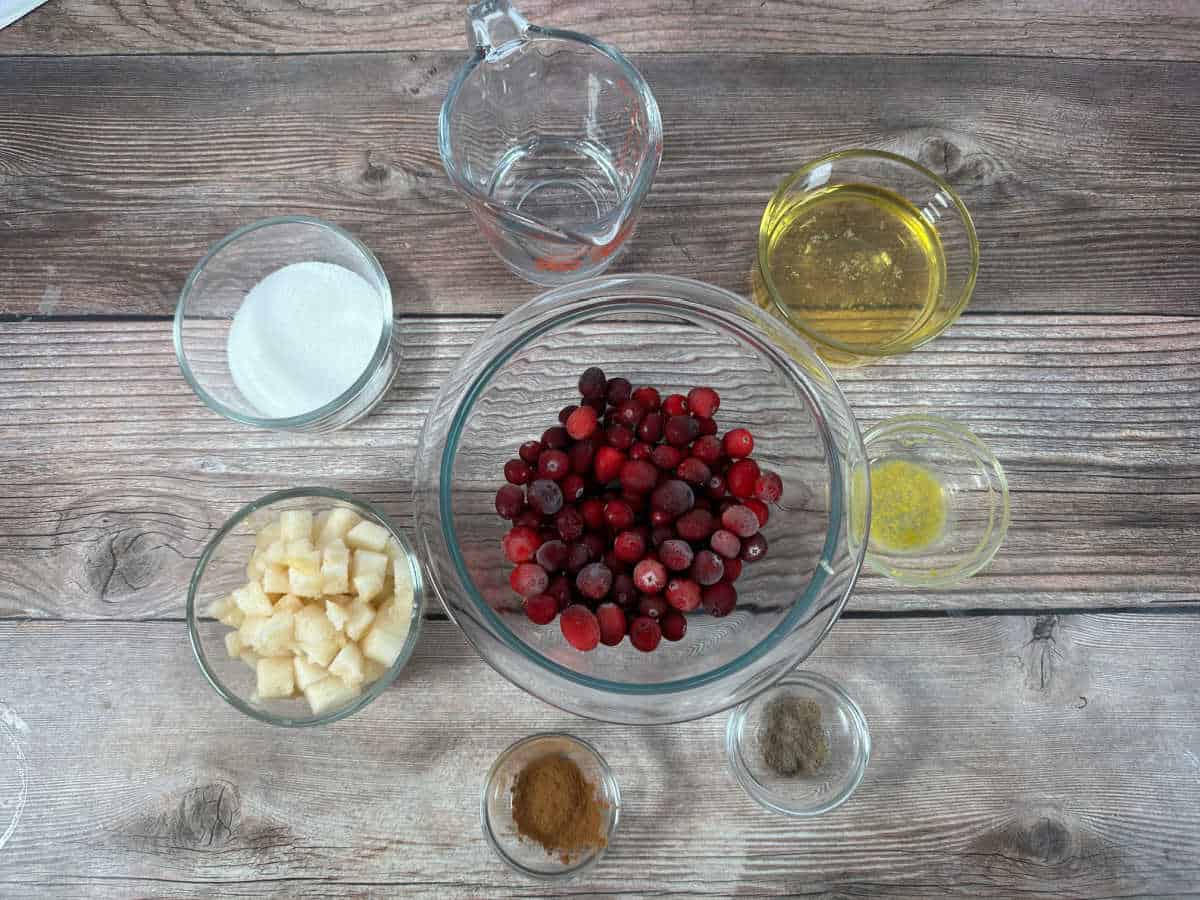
point(791, 737)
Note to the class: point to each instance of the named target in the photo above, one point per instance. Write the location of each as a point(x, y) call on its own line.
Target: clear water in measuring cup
point(558, 181)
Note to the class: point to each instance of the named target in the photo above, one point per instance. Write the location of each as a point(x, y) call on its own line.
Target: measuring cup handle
point(493, 23)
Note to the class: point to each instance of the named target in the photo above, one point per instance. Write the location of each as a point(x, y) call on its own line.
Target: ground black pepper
point(791, 737)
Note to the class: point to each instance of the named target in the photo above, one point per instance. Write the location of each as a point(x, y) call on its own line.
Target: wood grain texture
point(1085, 28)
point(117, 173)
point(115, 476)
point(1051, 756)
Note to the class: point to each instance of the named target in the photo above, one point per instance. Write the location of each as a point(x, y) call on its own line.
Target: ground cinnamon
point(554, 805)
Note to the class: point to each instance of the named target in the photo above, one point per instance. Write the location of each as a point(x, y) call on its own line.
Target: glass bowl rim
point(817, 684)
point(986, 550)
point(379, 686)
point(865, 153)
point(337, 403)
point(609, 787)
point(592, 307)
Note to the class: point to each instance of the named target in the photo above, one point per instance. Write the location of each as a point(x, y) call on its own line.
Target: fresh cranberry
point(612, 622)
point(552, 555)
point(660, 517)
point(652, 605)
point(592, 383)
point(714, 488)
point(510, 500)
point(738, 443)
point(707, 448)
point(683, 594)
point(530, 451)
point(541, 608)
point(693, 471)
point(520, 544)
point(623, 590)
point(759, 509)
point(640, 450)
point(596, 403)
point(666, 457)
point(580, 627)
point(675, 405)
point(637, 502)
point(638, 476)
point(594, 581)
point(740, 478)
point(618, 391)
point(648, 397)
point(545, 534)
point(673, 625)
point(733, 568)
point(695, 525)
point(565, 413)
point(555, 438)
point(614, 563)
point(528, 579)
point(673, 498)
point(650, 576)
point(645, 634)
point(607, 464)
point(675, 554)
point(516, 471)
point(707, 426)
point(582, 423)
point(596, 543)
point(545, 496)
point(681, 430)
point(630, 414)
point(650, 429)
point(560, 590)
point(578, 556)
point(719, 599)
point(703, 401)
point(707, 568)
point(660, 534)
point(754, 548)
point(580, 455)
point(530, 518)
point(592, 510)
point(725, 543)
point(619, 436)
point(618, 515)
point(629, 546)
point(741, 520)
point(553, 464)
point(768, 488)
point(569, 523)
point(572, 488)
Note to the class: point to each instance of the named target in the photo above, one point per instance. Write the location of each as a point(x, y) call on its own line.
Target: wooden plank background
point(1034, 731)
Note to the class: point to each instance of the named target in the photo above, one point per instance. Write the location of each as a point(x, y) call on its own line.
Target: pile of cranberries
point(631, 512)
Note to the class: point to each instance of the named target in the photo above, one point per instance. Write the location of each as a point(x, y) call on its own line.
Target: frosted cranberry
point(640, 450)
point(719, 600)
point(707, 568)
point(703, 401)
point(650, 429)
point(650, 576)
point(754, 548)
point(555, 438)
point(528, 579)
point(596, 543)
point(560, 590)
point(733, 568)
point(738, 443)
point(552, 555)
point(520, 544)
point(666, 457)
point(759, 509)
point(725, 504)
point(741, 520)
point(683, 594)
point(645, 634)
point(592, 383)
point(707, 426)
point(768, 488)
point(619, 436)
point(673, 625)
point(714, 488)
point(572, 488)
point(565, 413)
point(545, 496)
point(660, 534)
point(673, 498)
point(541, 609)
point(530, 518)
point(582, 423)
point(651, 605)
point(612, 624)
point(553, 464)
point(618, 515)
point(623, 590)
point(725, 543)
point(530, 451)
point(618, 391)
point(675, 554)
point(517, 472)
point(630, 414)
point(681, 430)
point(607, 464)
point(638, 476)
point(696, 525)
point(675, 405)
point(740, 478)
point(594, 580)
point(693, 471)
point(580, 627)
point(629, 546)
point(510, 500)
point(707, 449)
point(648, 397)
point(569, 523)
point(578, 556)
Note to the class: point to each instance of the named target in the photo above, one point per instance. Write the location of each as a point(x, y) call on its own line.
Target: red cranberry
point(754, 548)
point(528, 579)
point(681, 430)
point(629, 546)
point(650, 429)
point(565, 413)
point(569, 523)
point(738, 443)
point(553, 464)
point(707, 449)
point(580, 456)
point(637, 502)
point(517, 472)
point(560, 590)
point(693, 471)
point(582, 423)
point(660, 534)
point(759, 509)
point(666, 457)
point(623, 590)
point(552, 555)
point(618, 515)
point(645, 634)
point(741, 520)
point(660, 517)
point(703, 401)
point(719, 599)
point(520, 544)
point(596, 403)
point(675, 554)
point(619, 436)
point(707, 568)
point(648, 397)
point(555, 438)
point(725, 543)
point(630, 414)
point(594, 581)
point(578, 556)
point(618, 391)
point(696, 525)
point(572, 487)
point(592, 383)
point(675, 405)
point(593, 512)
point(673, 625)
point(640, 450)
point(733, 568)
point(614, 563)
point(768, 488)
point(672, 498)
point(530, 518)
point(652, 605)
point(607, 464)
point(541, 609)
point(638, 476)
point(650, 576)
point(612, 622)
point(714, 488)
point(530, 451)
point(596, 543)
point(707, 426)
point(683, 594)
point(580, 627)
point(545, 497)
point(740, 478)
point(510, 500)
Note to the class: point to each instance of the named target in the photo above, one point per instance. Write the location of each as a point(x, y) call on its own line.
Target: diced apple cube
point(322, 652)
point(395, 616)
point(276, 553)
point(274, 636)
point(306, 673)
point(256, 567)
point(381, 645)
point(402, 582)
point(295, 524)
point(220, 607)
point(367, 587)
point(319, 521)
point(368, 562)
point(312, 625)
point(289, 602)
point(329, 693)
point(367, 536)
point(275, 677)
point(233, 617)
point(303, 585)
point(337, 614)
point(360, 615)
point(372, 671)
point(233, 644)
point(275, 580)
point(348, 665)
point(252, 600)
point(250, 658)
point(341, 520)
point(267, 535)
point(304, 556)
point(335, 567)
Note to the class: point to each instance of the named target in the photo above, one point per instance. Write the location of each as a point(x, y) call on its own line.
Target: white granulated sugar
point(303, 336)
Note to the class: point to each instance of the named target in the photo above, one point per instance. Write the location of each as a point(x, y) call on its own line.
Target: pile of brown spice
point(554, 805)
point(791, 737)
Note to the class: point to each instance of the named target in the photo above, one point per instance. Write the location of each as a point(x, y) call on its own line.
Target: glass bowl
point(974, 493)
point(846, 735)
point(216, 288)
point(222, 568)
point(495, 809)
point(869, 329)
point(671, 333)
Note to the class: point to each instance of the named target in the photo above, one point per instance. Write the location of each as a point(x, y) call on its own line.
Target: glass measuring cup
point(553, 138)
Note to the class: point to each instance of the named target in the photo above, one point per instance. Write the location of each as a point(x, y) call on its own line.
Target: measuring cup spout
point(493, 23)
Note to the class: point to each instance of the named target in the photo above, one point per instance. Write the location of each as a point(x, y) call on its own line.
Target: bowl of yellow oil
point(939, 505)
point(866, 253)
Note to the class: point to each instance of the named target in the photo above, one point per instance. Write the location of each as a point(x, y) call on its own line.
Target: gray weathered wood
point(116, 173)
point(1050, 757)
point(1086, 28)
point(115, 476)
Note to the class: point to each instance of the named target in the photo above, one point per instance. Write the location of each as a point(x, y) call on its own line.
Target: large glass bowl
point(674, 334)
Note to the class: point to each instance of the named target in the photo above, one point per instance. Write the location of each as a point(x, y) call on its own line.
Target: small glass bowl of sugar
point(287, 324)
